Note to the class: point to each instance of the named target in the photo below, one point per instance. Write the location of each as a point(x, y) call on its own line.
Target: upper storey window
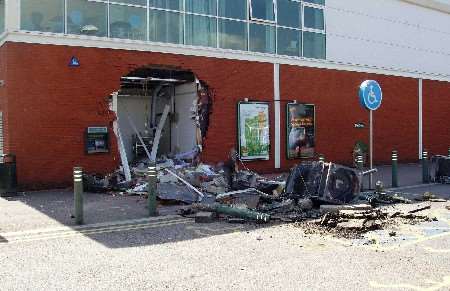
point(2, 16)
point(262, 10)
point(236, 9)
point(43, 15)
point(206, 7)
point(278, 27)
point(87, 17)
point(289, 13)
point(313, 18)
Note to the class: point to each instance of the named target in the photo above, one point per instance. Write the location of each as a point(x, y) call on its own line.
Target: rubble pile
point(319, 196)
point(181, 179)
point(322, 198)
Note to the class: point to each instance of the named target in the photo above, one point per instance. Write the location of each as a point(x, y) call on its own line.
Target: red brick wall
point(335, 94)
point(436, 116)
point(51, 104)
point(3, 96)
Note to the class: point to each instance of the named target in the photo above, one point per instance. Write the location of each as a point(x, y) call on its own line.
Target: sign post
point(370, 97)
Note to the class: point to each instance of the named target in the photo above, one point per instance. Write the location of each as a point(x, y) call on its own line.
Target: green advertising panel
point(253, 130)
point(300, 130)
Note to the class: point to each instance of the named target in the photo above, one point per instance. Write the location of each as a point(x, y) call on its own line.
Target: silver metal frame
point(249, 20)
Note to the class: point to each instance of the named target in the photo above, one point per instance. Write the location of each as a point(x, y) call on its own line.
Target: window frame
point(248, 20)
point(255, 19)
point(315, 6)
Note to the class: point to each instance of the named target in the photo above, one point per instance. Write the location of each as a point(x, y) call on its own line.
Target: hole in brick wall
point(165, 106)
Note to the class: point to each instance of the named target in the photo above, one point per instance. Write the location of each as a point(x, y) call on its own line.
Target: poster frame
point(238, 113)
point(287, 131)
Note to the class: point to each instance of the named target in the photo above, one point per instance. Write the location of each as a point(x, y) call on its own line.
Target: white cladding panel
point(388, 34)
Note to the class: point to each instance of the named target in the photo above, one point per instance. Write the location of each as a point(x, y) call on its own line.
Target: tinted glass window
point(263, 9)
point(313, 18)
point(43, 15)
point(321, 2)
point(86, 17)
point(262, 38)
point(289, 42)
point(166, 26)
point(232, 34)
point(314, 45)
point(167, 4)
point(233, 9)
point(133, 2)
point(201, 30)
point(289, 13)
point(128, 22)
point(208, 7)
point(2, 16)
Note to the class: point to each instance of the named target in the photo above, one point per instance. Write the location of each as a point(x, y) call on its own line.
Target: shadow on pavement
point(122, 221)
point(114, 221)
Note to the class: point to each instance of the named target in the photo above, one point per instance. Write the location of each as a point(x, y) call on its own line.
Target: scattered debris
point(205, 217)
point(244, 213)
point(440, 169)
point(314, 195)
point(338, 208)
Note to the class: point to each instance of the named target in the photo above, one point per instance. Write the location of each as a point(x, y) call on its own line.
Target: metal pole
point(152, 176)
point(78, 194)
point(394, 169)
point(425, 169)
point(371, 148)
point(449, 152)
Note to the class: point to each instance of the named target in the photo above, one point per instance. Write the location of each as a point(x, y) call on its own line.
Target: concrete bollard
point(394, 169)
point(425, 167)
point(152, 176)
point(78, 194)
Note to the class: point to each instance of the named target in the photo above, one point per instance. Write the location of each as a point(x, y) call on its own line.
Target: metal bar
point(369, 172)
point(200, 194)
point(371, 148)
point(159, 129)
point(133, 126)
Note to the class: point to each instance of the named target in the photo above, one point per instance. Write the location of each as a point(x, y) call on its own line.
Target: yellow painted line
point(404, 286)
point(96, 231)
point(440, 251)
point(90, 226)
point(420, 239)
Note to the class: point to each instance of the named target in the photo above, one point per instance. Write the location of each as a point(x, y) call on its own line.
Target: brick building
point(71, 66)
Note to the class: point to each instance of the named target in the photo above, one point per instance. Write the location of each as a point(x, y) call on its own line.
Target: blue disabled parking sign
point(370, 95)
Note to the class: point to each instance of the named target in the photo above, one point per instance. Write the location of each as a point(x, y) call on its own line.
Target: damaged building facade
point(85, 82)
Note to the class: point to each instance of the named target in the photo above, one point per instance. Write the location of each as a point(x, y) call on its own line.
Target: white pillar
point(277, 106)
point(420, 113)
point(12, 15)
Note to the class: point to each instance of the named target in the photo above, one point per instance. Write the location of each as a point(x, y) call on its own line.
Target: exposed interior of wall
point(144, 96)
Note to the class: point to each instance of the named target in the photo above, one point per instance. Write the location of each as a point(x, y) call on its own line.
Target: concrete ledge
point(432, 4)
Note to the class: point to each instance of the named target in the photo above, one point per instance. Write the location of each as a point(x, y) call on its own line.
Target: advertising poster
point(253, 130)
point(300, 130)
